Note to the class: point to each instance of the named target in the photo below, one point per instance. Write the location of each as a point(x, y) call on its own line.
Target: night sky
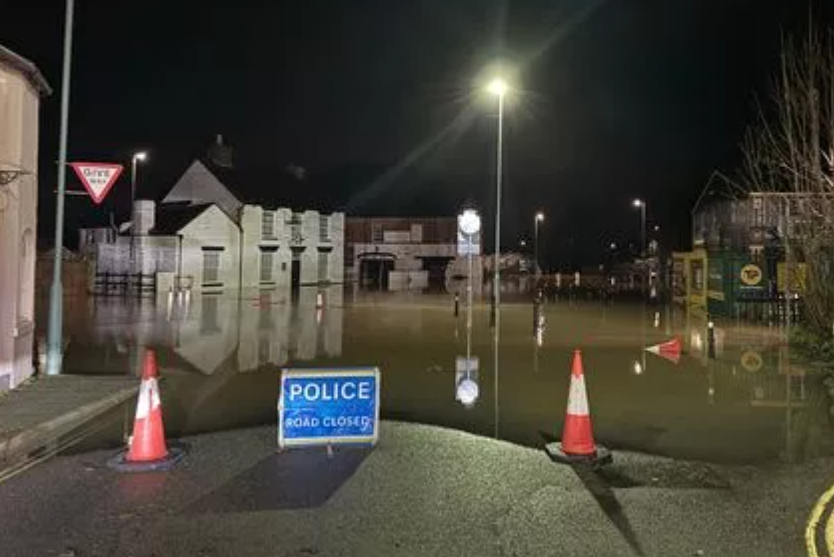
point(378, 101)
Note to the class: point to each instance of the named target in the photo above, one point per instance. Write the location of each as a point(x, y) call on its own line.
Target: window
point(758, 212)
point(295, 229)
point(211, 267)
point(376, 233)
point(324, 228)
point(267, 266)
point(323, 267)
point(268, 224)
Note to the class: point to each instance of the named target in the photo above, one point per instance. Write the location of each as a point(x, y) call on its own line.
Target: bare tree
point(789, 152)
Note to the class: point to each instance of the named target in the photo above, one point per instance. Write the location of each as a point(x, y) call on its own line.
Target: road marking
point(813, 524)
point(829, 534)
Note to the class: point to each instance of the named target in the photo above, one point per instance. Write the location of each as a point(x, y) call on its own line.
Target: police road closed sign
point(328, 406)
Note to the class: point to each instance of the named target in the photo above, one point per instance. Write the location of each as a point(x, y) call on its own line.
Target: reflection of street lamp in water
point(538, 219)
point(469, 224)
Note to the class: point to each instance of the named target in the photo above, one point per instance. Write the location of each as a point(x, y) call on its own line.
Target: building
point(407, 253)
point(738, 265)
point(206, 236)
point(21, 88)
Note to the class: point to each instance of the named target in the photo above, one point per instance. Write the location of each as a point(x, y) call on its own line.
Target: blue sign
point(328, 406)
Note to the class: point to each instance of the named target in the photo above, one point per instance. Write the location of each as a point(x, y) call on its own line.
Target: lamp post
point(141, 156)
point(54, 350)
point(640, 204)
point(539, 218)
point(498, 88)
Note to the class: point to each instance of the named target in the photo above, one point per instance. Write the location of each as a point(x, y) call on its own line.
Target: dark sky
point(377, 99)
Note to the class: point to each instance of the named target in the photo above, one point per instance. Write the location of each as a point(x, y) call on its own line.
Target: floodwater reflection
point(739, 399)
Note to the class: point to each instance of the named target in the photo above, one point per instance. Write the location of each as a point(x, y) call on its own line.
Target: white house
point(205, 237)
point(21, 88)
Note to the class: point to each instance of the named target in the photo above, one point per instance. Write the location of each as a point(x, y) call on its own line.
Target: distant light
point(539, 217)
point(637, 368)
point(497, 87)
point(613, 245)
point(637, 203)
point(523, 243)
point(469, 222)
point(657, 228)
point(140, 156)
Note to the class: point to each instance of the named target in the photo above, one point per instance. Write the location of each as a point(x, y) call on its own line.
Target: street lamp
point(54, 353)
point(640, 204)
point(498, 88)
point(539, 218)
point(141, 156)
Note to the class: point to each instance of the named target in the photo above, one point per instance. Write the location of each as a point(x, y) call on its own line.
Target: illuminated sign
point(751, 275)
point(328, 406)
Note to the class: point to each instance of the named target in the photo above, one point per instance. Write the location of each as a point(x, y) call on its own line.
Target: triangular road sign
point(97, 177)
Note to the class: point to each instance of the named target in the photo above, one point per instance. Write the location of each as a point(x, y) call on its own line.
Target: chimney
point(144, 217)
point(220, 154)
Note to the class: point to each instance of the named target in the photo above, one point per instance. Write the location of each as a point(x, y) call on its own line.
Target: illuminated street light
point(141, 156)
point(640, 204)
point(499, 88)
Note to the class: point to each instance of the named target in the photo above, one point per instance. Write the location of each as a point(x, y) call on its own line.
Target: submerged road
point(421, 491)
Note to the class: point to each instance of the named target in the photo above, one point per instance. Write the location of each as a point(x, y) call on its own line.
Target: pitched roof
point(27, 68)
point(171, 218)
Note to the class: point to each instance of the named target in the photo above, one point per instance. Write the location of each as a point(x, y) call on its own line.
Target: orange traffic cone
point(148, 441)
point(669, 350)
point(147, 449)
point(577, 434)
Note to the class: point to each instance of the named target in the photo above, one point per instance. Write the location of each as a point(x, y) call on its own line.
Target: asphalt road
point(421, 491)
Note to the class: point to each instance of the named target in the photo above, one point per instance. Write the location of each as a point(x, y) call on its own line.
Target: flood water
point(221, 357)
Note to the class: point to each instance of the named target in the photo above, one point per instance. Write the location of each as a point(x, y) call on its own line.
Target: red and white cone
point(577, 444)
point(147, 449)
point(669, 350)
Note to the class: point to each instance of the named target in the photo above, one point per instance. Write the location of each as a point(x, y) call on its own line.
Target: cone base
point(119, 462)
point(601, 457)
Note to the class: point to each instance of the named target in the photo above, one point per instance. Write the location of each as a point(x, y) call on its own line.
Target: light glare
point(497, 87)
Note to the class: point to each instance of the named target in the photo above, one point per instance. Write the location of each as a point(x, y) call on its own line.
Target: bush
point(813, 346)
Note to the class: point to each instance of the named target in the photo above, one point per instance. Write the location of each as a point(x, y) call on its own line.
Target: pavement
point(41, 412)
point(421, 491)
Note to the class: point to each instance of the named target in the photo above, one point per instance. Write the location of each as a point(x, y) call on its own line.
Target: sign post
point(97, 177)
point(324, 407)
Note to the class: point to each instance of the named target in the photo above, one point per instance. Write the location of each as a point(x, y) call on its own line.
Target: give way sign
point(97, 177)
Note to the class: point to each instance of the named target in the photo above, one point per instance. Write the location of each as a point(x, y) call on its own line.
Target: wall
point(19, 103)
point(212, 229)
point(257, 240)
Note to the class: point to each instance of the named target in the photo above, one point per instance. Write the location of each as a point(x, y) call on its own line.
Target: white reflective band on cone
point(578, 398)
point(148, 399)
